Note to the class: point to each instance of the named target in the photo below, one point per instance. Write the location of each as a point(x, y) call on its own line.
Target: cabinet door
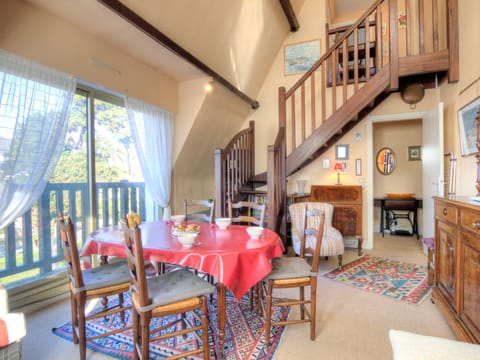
point(445, 255)
point(470, 284)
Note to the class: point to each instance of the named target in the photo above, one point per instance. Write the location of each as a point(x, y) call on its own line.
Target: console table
point(398, 208)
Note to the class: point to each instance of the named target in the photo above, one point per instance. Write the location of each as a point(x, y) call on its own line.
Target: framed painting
point(300, 57)
point(358, 167)
point(414, 153)
point(467, 127)
point(341, 152)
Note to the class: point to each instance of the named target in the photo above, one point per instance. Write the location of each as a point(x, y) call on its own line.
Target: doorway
point(431, 165)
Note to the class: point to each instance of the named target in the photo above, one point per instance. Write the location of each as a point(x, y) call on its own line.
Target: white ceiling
point(203, 27)
point(93, 17)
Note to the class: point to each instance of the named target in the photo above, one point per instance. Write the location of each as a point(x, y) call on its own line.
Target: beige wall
point(312, 17)
point(41, 37)
point(457, 95)
point(452, 95)
point(397, 136)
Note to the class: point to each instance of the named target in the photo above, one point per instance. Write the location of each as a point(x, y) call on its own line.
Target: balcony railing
point(31, 247)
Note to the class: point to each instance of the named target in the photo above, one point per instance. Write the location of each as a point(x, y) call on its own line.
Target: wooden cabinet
point(445, 261)
point(457, 265)
point(469, 287)
point(347, 211)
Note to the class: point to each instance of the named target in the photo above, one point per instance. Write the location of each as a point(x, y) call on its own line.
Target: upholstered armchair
point(332, 241)
point(12, 329)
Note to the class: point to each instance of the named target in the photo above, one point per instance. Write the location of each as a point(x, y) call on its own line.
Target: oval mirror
point(386, 161)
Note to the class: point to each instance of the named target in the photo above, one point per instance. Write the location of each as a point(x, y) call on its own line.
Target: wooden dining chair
point(295, 272)
point(89, 284)
point(172, 293)
point(199, 210)
point(247, 212)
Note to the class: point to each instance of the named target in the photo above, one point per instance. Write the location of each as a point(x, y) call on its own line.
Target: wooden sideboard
point(347, 211)
point(457, 265)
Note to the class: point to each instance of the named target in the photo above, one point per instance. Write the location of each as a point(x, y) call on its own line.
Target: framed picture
point(414, 153)
point(358, 167)
point(300, 57)
point(326, 163)
point(341, 152)
point(467, 127)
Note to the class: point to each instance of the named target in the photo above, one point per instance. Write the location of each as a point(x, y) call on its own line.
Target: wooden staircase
point(325, 103)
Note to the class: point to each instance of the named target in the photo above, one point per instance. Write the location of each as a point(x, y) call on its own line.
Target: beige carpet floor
point(351, 323)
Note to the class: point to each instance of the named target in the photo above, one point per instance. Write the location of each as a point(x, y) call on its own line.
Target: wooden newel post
point(477, 155)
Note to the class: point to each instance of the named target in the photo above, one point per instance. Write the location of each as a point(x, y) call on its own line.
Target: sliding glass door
point(96, 181)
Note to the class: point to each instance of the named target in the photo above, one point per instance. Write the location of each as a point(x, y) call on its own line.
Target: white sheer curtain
point(152, 131)
point(34, 106)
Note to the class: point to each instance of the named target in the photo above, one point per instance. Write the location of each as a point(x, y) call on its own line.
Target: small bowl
point(223, 223)
point(254, 231)
point(187, 239)
point(177, 219)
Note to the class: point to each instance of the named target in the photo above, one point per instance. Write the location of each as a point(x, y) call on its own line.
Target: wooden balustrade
point(34, 247)
point(234, 168)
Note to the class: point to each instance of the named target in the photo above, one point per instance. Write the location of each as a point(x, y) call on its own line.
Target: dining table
point(236, 260)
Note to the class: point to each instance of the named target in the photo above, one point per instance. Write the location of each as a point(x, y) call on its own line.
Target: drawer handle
point(476, 225)
point(445, 212)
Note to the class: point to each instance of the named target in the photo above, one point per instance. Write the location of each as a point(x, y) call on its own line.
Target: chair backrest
point(247, 212)
point(296, 212)
point(316, 217)
point(136, 264)
point(199, 210)
point(70, 251)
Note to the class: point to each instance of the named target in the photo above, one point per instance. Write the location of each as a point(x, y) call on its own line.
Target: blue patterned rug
point(244, 334)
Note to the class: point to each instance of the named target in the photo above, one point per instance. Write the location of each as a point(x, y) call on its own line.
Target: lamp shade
point(338, 167)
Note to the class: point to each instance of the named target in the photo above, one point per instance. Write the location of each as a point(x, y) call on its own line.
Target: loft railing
point(31, 247)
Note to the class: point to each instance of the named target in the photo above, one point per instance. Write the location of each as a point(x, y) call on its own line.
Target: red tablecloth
point(231, 256)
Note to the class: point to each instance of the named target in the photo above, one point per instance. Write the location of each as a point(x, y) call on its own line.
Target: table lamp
point(338, 168)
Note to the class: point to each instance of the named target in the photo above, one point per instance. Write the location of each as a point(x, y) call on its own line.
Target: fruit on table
point(133, 219)
point(187, 228)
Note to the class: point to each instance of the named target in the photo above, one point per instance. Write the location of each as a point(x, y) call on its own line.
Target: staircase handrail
point(334, 46)
point(276, 192)
point(234, 167)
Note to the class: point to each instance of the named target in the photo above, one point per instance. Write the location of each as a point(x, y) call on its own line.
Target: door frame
point(369, 243)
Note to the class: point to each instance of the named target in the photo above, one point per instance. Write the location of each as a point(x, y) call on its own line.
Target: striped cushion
point(332, 241)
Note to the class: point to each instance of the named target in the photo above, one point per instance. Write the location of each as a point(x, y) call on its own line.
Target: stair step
point(252, 192)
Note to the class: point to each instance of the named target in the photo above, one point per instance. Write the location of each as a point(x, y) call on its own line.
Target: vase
point(301, 186)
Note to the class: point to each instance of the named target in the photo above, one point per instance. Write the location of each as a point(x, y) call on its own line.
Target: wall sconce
point(338, 168)
point(209, 86)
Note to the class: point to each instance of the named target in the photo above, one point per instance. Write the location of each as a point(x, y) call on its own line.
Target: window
point(98, 158)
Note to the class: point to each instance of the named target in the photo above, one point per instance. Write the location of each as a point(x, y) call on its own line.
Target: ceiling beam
point(147, 28)
point(290, 14)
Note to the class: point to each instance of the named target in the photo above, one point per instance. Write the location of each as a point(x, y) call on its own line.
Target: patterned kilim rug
point(244, 338)
point(396, 280)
